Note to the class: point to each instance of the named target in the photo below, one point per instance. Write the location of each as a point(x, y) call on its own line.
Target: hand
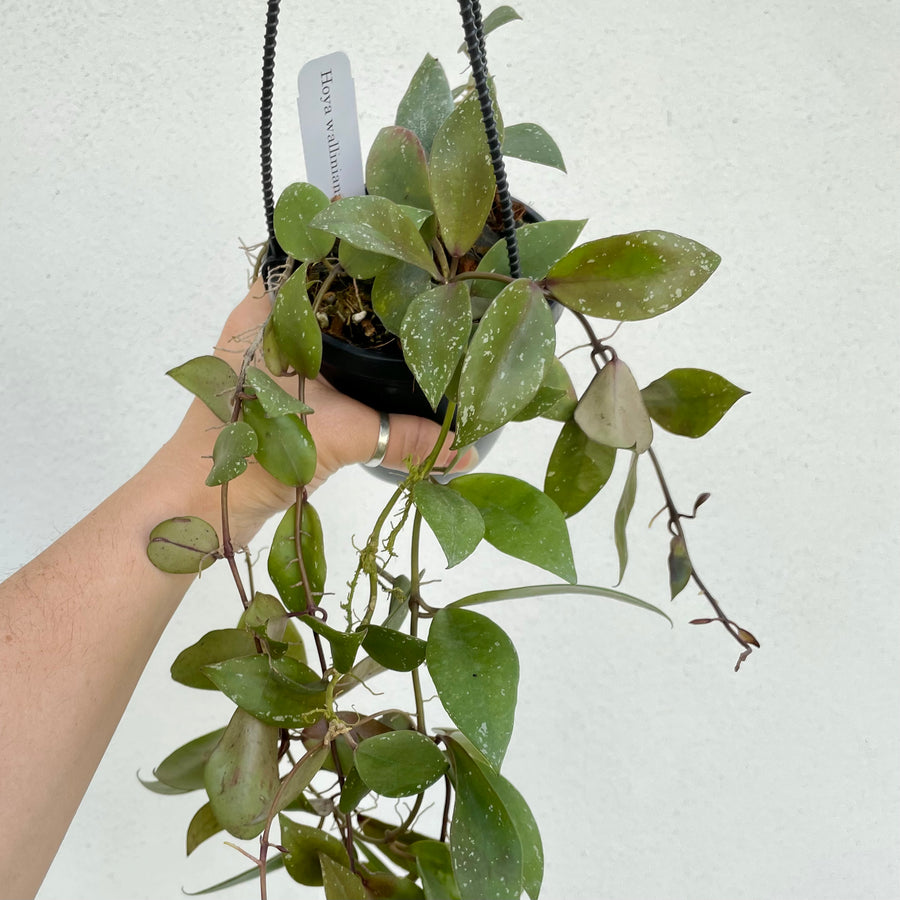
point(344, 430)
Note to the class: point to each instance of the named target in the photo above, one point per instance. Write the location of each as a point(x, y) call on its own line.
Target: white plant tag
point(329, 126)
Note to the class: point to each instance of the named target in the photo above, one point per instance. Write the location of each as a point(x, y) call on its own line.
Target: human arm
point(63, 685)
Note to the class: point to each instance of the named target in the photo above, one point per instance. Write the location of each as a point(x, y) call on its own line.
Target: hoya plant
point(436, 262)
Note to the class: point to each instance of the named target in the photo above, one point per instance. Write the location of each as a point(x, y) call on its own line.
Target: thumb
point(412, 437)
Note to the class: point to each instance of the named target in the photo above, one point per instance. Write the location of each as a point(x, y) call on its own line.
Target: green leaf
point(394, 649)
point(241, 775)
point(393, 291)
point(296, 328)
point(396, 168)
point(362, 264)
point(275, 360)
point(435, 870)
point(578, 468)
point(476, 673)
point(378, 225)
point(506, 361)
point(541, 244)
point(353, 792)
point(456, 523)
point(552, 396)
point(234, 444)
point(434, 334)
point(426, 103)
point(612, 411)
point(494, 19)
point(265, 616)
point(211, 379)
point(297, 780)
point(296, 207)
point(273, 863)
point(304, 844)
point(183, 546)
point(283, 562)
point(340, 883)
point(631, 276)
point(462, 177)
point(623, 511)
point(520, 520)
point(532, 143)
point(273, 398)
point(203, 826)
point(215, 646)
point(400, 763)
point(679, 565)
point(554, 590)
point(344, 645)
point(690, 401)
point(484, 844)
point(183, 768)
point(282, 692)
point(286, 448)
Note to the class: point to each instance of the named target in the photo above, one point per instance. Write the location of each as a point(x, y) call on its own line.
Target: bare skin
point(98, 572)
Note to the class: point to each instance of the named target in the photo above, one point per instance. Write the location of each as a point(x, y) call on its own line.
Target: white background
point(768, 132)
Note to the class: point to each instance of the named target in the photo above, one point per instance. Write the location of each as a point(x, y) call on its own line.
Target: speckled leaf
point(679, 565)
point(520, 520)
point(183, 546)
point(297, 780)
point(393, 291)
point(378, 225)
point(235, 442)
point(396, 168)
point(283, 563)
point(296, 328)
point(211, 379)
point(296, 207)
point(532, 143)
point(241, 775)
point(202, 826)
point(554, 398)
point(282, 692)
point(362, 264)
point(541, 244)
point(340, 882)
point(273, 398)
point(183, 768)
point(612, 411)
point(434, 333)
point(623, 511)
point(276, 362)
point(303, 844)
point(522, 817)
point(690, 401)
point(476, 673)
point(578, 468)
point(435, 870)
point(462, 177)
point(400, 763)
point(265, 616)
point(456, 523)
point(426, 103)
point(215, 646)
point(506, 361)
point(394, 649)
point(484, 844)
point(286, 448)
point(631, 276)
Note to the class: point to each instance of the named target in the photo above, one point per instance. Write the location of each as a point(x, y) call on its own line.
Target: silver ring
point(384, 434)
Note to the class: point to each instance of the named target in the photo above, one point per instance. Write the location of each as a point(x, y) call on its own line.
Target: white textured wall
point(770, 133)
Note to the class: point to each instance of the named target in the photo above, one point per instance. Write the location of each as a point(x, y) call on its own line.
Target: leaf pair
point(509, 513)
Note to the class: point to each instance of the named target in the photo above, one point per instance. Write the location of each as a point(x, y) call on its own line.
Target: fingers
point(414, 438)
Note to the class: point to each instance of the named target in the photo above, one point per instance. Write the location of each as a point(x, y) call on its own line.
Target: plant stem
point(676, 528)
point(483, 276)
point(414, 600)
